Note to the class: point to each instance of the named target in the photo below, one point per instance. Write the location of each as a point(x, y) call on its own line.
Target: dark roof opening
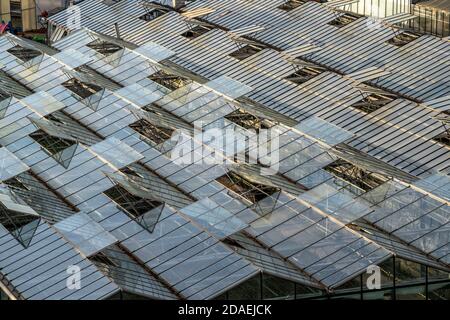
point(403, 38)
point(103, 259)
point(443, 138)
point(246, 51)
point(372, 103)
point(251, 191)
point(290, 5)
point(21, 225)
point(354, 175)
point(103, 47)
point(195, 32)
point(110, 2)
point(52, 144)
point(248, 120)
point(153, 14)
point(134, 205)
point(155, 133)
point(24, 54)
point(343, 20)
point(81, 89)
point(54, 118)
point(130, 171)
point(170, 81)
point(303, 75)
point(15, 183)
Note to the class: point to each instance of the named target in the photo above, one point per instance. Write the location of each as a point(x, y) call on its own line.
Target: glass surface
point(387, 294)
point(439, 291)
point(323, 130)
point(229, 87)
point(154, 52)
point(118, 153)
point(410, 293)
point(277, 288)
point(408, 271)
point(72, 58)
point(214, 218)
point(84, 233)
point(249, 290)
point(43, 103)
point(10, 165)
point(438, 184)
point(139, 95)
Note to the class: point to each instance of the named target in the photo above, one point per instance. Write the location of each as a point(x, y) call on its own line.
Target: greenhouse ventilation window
point(101, 258)
point(354, 175)
point(52, 144)
point(247, 189)
point(130, 171)
point(103, 47)
point(81, 89)
point(247, 120)
point(134, 205)
point(343, 20)
point(372, 103)
point(195, 32)
point(157, 134)
point(20, 220)
point(443, 138)
point(246, 51)
point(15, 183)
point(303, 75)
point(401, 39)
point(290, 5)
point(24, 54)
point(170, 81)
point(153, 14)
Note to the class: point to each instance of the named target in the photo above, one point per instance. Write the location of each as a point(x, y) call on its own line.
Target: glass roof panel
point(43, 103)
point(228, 87)
point(116, 152)
point(323, 130)
point(214, 218)
point(139, 95)
point(72, 58)
point(10, 165)
point(437, 184)
point(84, 233)
point(154, 52)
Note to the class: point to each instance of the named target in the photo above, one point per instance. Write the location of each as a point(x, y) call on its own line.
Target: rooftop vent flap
point(20, 220)
point(135, 200)
point(157, 134)
point(290, 5)
point(24, 54)
point(248, 120)
point(354, 175)
point(372, 102)
point(81, 89)
point(246, 51)
point(302, 75)
point(103, 47)
point(403, 38)
point(154, 13)
point(170, 81)
point(343, 19)
point(253, 191)
point(444, 138)
point(53, 140)
point(196, 31)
